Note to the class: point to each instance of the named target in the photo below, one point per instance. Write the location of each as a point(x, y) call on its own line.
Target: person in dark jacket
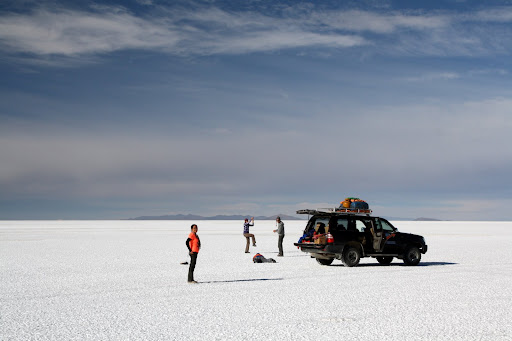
point(280, 233)
point(248, 235)
point(193, 244)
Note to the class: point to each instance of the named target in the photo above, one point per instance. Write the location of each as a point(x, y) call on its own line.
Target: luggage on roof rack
point(350, 205)
point(355, 210)
point(335, 210)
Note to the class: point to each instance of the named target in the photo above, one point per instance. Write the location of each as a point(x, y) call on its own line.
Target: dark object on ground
point(184, 263)
point(349, 236)
point(259, 258)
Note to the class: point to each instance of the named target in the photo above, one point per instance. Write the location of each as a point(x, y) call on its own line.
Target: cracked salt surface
point(119, 280)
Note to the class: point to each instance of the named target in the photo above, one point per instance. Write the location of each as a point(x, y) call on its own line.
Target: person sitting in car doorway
point(320, 229)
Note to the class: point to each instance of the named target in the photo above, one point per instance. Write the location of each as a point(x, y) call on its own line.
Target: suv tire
point(351, 256)
point(412, 256)
point(323, 261)
point(384, 260)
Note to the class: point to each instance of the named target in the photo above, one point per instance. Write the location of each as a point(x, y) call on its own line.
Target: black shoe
point(192, 282)
point(280, 256)
point(247, 252)
point(254, 245)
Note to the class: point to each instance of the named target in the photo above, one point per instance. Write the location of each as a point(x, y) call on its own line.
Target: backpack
point(259, 258)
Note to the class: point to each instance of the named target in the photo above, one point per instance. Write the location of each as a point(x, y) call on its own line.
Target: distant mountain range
point(217, 217)
point(411, 219)
point(242, 217)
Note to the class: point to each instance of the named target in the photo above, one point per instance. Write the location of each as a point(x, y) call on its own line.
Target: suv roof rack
point(335, 210)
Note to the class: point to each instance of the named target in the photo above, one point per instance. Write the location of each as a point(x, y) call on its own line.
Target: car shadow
point(401, 264)
point(435, 263)
point(245, 280)
point(287, 255)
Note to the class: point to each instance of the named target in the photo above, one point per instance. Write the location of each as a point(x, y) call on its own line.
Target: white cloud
point(70, 33)
point(145, 2)
point(67, 32)
point(434, 76)
point(493, 15)
point(265, 41)
point(477, 72)
point(356, 20)
point(63, 32)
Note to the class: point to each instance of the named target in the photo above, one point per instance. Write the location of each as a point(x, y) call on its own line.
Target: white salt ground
point(122, 280)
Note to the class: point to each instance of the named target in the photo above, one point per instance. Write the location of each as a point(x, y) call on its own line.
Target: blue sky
point(117, 109)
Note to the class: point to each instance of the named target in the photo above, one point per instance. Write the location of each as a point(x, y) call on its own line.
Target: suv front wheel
point(412, 256)
point(351, 256)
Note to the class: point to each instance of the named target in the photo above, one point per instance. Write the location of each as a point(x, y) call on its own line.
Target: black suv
point(340, 234)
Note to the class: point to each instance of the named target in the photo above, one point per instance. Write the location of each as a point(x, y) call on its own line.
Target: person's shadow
point(245, 280)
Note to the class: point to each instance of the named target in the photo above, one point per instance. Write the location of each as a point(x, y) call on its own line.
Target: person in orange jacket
point(193, 244)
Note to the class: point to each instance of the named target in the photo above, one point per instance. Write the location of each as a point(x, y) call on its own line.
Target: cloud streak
point(70, 33)
point(204, 31)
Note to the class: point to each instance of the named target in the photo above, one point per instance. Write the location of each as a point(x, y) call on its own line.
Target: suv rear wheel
point(322, 261)
point(412, 256)
point(351, 256)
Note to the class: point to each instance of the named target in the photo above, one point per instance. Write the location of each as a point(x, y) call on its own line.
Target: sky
point(119, 109)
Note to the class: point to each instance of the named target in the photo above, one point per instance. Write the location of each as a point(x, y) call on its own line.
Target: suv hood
point(410, 236)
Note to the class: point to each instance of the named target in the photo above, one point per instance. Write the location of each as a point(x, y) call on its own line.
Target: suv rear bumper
point(330, 249)
point(309, 246)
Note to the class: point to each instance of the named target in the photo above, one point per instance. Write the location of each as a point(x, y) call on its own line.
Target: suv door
point(339, 229)
point(386, 234)
point(366, 231)
point(356, 229)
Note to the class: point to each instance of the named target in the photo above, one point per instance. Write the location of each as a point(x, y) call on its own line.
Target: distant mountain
point(426, 219)
point(242, 217)
point(411, 219)
point(217, 217)
point(397, 218)
point(170, 217)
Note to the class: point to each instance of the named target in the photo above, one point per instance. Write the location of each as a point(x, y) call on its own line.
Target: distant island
point(242, 217)
point(410, 219)
point(217, 217)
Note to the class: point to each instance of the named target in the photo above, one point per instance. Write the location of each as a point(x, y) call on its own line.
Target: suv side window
point(342, 224)
point(383, 224)
point(361, 225)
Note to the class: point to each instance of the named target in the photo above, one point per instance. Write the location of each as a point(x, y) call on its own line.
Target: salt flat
point(121, 280)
